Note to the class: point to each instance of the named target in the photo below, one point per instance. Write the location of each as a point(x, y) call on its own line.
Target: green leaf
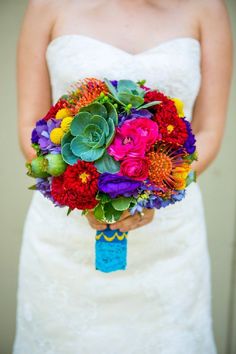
point(99, 212)
point(107, 164)
point(124, 85)
point(129, 98)
point(33, 187)
point(101, 142)
point(116, 99)
point(100, 122)
point(103, 197)
point(121, 203)
point(192, 177)
point(192, 157)
point(68, 155)
point(80, 121)
point(141, 82)
point(69, 211)
point(92, 154)
point(95, 108)
point(78, 146)
point(111, 132)
point(84, 212)
point(150, 104)
point(111, 215)
point(66, 138)
point(110, 87)
point(36, 147)
point(111, 111)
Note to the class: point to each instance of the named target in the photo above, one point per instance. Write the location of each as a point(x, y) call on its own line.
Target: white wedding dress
point(162, 303)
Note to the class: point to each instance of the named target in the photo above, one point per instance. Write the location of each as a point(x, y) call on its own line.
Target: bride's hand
point(94, 223)
point(130, 222)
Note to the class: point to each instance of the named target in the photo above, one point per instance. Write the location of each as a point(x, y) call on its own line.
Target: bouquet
point(111, 146)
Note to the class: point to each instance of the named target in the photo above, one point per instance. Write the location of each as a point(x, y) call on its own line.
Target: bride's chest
point(172, 66)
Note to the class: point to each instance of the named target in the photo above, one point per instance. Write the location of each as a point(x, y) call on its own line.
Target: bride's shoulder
point(209, 7)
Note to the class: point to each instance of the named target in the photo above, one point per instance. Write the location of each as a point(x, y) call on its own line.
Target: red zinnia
point(77, 186)
point(171, 126)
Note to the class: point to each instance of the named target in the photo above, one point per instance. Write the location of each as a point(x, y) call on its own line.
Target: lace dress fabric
point(162, 303)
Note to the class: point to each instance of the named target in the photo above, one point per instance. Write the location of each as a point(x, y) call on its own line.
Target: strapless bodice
point(172, 66)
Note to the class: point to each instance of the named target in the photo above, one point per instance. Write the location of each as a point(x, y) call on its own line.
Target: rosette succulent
point(91, 132)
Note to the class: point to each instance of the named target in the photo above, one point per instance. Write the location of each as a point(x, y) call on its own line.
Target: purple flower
point(34, 137)
point(43, 185)
point(41, 135)
point(114, 83)
point(134, 113)
point(189, 144)
point(117, 185)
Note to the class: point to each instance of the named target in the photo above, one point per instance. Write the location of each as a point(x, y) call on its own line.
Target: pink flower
point(134, 138)
point(135, 168)
point(148, 129)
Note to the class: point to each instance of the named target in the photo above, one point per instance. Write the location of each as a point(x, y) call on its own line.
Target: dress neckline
point(57, 40)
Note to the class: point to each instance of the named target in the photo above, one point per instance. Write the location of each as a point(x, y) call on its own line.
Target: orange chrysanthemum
point(85, 92)
point(167, 169)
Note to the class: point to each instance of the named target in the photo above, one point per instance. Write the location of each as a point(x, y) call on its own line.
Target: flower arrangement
point(112, 146)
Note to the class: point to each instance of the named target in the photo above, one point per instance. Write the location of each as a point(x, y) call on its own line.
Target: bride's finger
point(124, 215)
point(125, 222)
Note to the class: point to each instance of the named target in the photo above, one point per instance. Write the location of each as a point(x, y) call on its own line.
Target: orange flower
point(85, 92)
point(167, 169)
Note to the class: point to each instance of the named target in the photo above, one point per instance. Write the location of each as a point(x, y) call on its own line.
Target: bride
point(162, 303)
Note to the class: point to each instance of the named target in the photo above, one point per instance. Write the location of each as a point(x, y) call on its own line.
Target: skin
point(160, 20)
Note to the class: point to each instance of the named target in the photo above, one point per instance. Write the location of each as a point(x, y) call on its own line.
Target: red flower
point(54, 109)
point(135, 168)
point(166, 103)
point(77, 186)
point(171, 126)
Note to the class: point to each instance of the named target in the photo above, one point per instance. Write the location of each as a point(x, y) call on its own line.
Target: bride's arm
point(33, 86)
point(210, 109)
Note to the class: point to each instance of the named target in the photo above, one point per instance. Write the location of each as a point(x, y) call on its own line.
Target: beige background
point(218, 186)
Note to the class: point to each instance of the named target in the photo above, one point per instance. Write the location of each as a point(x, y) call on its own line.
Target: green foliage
point(121, 203)
point(192, 157)
point(110, 210)
point(107, 164)
point(192, 177)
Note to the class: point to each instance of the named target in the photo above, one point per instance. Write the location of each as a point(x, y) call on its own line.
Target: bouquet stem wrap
point(111, 250)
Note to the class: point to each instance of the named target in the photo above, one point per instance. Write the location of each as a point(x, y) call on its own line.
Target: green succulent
point(91, 132)
point(129, 94)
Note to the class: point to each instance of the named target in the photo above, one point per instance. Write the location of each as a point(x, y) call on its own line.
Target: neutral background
point(217, 183)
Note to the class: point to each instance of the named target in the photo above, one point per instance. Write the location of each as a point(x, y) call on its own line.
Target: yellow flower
point(182, 171)
point(56, 136)
point(180, 174)
point(63, 113)
point(180, 184)
point(65, 123)
point(179, 106)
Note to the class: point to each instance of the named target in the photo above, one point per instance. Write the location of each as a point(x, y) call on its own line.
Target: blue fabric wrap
point(111, 255)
